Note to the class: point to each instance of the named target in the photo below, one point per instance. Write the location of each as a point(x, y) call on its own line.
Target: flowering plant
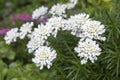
point(87, 30)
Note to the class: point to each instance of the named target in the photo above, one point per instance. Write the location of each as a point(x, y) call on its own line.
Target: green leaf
point(6, 52)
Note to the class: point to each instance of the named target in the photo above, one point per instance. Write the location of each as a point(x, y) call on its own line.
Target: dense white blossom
point(43, 31)
point(93, 29)
point(34, 44)
point(58, 10)
point(44, 57)
point(67, 24)
point(75, 22)
point(56, 23)
point(25, 29)
point(88, 50)
point(11, 35)
point(79, 19)
point(39, 12)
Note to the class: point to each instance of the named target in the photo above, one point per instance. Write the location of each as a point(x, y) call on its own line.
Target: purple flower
point(22, 16)
point(27, 17)
point(3, 31)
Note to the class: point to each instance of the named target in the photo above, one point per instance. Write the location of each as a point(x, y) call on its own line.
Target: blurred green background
point(16, 64)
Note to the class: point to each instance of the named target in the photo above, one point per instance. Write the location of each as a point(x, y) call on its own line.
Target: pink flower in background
point(4, 30)
point(27, 17)
point(22, 16)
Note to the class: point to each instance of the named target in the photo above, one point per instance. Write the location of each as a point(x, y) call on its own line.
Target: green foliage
point(3, 70)
point(26, 72)
point(5, 51)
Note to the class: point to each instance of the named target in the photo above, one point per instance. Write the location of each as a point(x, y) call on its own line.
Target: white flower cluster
point(88, 49)
point(93, 30)
point(58, 10)
point(88, 31)
point(14, 33)
point(39, 12)
point(34, 44)
point(75, 22)
point(80, 26)
point(11, 35)
point(42, 32)
point(44, 56)
point(55, 10)
point(56, 24)
point(25, 29)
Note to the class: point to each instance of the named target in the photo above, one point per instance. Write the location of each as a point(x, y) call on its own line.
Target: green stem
point(59, 70)
point(117, 69)
point(70, 50)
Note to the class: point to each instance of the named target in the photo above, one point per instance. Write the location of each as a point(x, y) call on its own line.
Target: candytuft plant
point(87, 30)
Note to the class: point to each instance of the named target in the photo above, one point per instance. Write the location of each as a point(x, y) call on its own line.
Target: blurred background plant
point(16, 64)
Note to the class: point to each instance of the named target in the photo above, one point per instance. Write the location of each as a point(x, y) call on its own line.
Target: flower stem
point(70, 50)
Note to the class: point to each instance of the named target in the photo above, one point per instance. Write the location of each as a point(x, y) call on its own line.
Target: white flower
point(43, 31)
point(74, 1)
point(25, 29)
point(67, 24)
point(11, 35)
point(39, 12)
point(58, 10)
point(88, 50)
point(56, 24)
point(34, 44)
point(93, 29)
point(79, 19)
point(75, 22)
point(71, 4)
point(44, 57)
